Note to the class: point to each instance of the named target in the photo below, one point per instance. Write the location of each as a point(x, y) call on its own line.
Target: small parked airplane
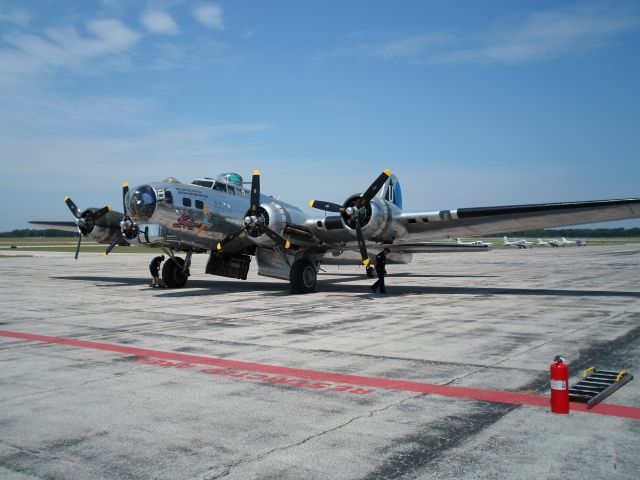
point(564, 242)
point(522, 243)
point(233, 224)
point(480, 243)
point(548, 243)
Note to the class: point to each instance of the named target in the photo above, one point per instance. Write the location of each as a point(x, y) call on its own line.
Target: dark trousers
point(380, 282)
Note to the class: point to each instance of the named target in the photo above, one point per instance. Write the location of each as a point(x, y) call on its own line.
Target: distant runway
point(105, 377)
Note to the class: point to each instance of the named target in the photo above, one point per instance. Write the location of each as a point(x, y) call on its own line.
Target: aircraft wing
point(512, 218)
point(65, 226)
point(420, 247)
point(436, 247)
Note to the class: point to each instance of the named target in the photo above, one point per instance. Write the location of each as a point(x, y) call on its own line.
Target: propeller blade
point(255, 191)
point(229, 238)
point(113, 244)
point(327, 206)
point(125, 190)
point(276, 237)
point(72, 206)
point(363, 248)
point(103, 211)
point(78, 246)
point(376, 185)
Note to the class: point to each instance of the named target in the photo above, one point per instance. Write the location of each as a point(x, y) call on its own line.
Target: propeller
point(256, 220)
point(128, 229)
point(84, 220)
point(355, 210)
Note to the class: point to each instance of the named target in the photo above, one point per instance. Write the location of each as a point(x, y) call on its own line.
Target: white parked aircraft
point(564, 242)
point(548, 243)
point(580, 243)
point(522, 243)
point(479, 243)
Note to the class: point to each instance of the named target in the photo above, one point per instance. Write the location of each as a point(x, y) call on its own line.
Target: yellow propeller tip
point(311, 202)
point(219, 247)
point(104, 254)
point(125, 184)
point(365, 261)
point(287, 244)
point(109, 207)
point(256, 172)
point(66, 197)
point(387, 172)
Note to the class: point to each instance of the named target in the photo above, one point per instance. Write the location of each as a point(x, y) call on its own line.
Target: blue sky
point(469, 103)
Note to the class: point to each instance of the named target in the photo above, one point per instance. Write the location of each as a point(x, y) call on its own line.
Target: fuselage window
point(168, 197)
point(199, 204)
point(186, 202)
point(220, 186)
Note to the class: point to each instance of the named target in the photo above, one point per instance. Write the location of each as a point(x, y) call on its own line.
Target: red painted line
point(384, 383)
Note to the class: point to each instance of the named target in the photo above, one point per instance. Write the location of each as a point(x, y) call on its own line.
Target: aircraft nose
point(142, 202)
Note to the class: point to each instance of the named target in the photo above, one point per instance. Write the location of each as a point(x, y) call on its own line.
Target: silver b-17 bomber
point(234, 224)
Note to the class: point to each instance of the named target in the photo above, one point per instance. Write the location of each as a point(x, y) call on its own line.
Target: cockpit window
point(202, 183)
point(220, 186)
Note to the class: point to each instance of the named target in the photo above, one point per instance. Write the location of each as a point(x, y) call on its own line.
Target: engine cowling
point(374, 217)
point(271, 215)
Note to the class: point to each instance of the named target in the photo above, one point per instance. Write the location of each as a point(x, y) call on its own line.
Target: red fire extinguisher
point(559, 385)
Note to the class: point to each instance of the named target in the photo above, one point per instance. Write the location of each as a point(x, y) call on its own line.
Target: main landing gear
point(303, 276)
point(175, 271)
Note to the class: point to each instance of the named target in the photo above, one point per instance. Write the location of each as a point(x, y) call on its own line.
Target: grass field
point(68, 244)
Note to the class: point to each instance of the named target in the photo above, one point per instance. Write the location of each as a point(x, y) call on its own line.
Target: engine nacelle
point(102, 234)
point(374, 217)
point(276, 217)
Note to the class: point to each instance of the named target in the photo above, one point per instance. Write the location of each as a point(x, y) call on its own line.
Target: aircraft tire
point(172, 275)
point(303, 276)
point(371, 273)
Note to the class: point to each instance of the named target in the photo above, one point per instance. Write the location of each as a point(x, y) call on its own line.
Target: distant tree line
point(576, 233)
point(31, 232)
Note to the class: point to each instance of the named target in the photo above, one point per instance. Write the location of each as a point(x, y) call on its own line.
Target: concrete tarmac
point(486, 321)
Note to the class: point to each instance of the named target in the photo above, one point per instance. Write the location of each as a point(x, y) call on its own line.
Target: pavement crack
point(228, 469)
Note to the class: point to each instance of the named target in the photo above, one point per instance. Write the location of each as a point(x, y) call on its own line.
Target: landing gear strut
point(303, 276)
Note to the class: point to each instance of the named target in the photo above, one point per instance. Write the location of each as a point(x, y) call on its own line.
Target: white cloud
point(17, 16)
point(64, 46)
point(157, 21)
point(527, 38)
point(544, 35)
point(210, 15)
